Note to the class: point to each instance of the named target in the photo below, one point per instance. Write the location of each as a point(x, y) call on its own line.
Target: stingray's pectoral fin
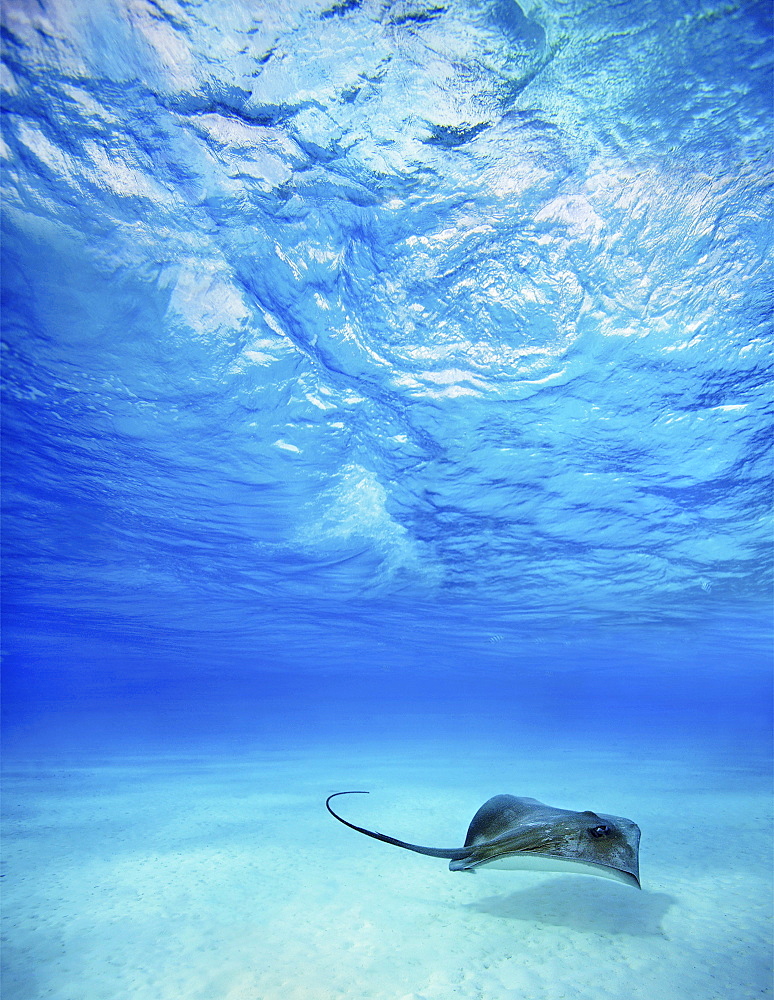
point(433, 852)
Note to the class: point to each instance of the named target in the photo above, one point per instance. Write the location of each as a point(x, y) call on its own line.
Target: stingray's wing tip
point(628, 878)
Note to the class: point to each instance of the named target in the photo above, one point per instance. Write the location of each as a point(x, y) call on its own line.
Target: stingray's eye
point(600, 831)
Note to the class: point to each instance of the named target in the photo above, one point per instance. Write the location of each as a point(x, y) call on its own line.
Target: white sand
point(223, 878)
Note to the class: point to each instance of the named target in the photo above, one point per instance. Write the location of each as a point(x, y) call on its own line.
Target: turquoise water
point(387, 405)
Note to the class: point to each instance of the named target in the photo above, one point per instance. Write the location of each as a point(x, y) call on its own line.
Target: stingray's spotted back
point(522, 833)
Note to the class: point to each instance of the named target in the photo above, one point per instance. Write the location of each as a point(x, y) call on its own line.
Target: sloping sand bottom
point(223, 878)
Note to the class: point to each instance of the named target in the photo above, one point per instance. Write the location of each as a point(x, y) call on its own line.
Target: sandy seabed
point(222, 877)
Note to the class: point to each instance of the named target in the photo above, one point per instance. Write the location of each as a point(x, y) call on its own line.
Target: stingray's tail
point(455, 853)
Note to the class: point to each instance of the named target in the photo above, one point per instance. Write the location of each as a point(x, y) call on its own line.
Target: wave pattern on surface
point(423, 301)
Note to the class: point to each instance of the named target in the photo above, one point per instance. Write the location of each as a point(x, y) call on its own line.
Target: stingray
point(524, 834)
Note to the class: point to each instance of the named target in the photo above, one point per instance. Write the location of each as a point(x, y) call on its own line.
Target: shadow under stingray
point(602, 909)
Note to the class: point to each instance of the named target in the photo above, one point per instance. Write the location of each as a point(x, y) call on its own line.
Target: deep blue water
point(362, 345)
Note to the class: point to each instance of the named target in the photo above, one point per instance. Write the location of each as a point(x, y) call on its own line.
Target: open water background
point(388, 375)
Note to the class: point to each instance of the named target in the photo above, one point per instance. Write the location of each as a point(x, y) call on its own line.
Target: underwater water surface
point(386, 406)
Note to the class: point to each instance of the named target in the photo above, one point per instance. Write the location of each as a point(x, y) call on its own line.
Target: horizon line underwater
point(386, 441)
